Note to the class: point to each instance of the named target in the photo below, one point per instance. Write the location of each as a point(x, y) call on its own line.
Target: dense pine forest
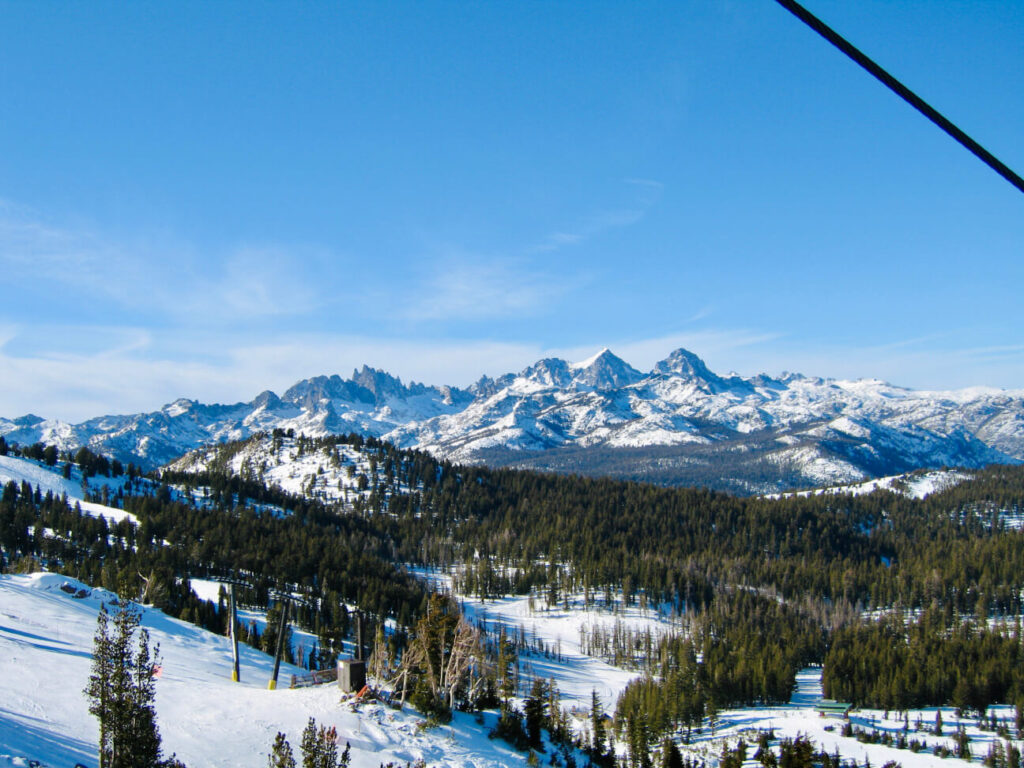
point(906, 602)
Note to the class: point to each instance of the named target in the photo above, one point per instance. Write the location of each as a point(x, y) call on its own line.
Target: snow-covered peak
point(549, 372)
point(683, 362)
point(382, 384)
point(267, 400)
point(863, 427)
point(593, 359)
point(179, 406)
point(605, 371)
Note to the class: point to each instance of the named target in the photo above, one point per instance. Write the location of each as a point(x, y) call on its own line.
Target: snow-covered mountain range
point(678, 423)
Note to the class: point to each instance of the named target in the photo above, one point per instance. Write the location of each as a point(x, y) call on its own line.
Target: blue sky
point(210, 199)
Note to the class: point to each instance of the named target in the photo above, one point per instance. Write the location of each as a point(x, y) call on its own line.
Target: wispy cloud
point(467, 288)
point(161, 276)
point(265, 281)
point(32, 248)
point(587, 229)
point(646, 193)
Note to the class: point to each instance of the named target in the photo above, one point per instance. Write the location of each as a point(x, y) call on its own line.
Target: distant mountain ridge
point(678, 423)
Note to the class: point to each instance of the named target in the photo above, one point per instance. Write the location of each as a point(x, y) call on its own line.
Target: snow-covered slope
point(49, 480)
point(913, 485)
point(332, 473)
point(680, 422)
point(47, 623)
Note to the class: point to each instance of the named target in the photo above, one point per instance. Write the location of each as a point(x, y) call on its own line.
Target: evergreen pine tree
point(319, 747)
point(143, 743)
point(281, 755)
point(597, 726)
point(505, 669)
point(121, 691)
point(963, 744)
point(98, 689)
point(310, 746)
point(535, 712)
point(670, 755)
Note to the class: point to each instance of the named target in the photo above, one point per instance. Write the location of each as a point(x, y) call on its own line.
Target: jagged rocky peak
point(486, 386)
point(331, 422)
point(605, 370)
point(382, 384)
point(551, 371)
point(267, 400)
point(454, 395)
point(682, 362)
point(308, 392)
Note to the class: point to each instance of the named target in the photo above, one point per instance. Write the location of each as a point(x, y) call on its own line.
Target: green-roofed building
point(830, 708)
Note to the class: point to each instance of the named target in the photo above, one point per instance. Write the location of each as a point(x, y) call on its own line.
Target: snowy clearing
point(48, 479)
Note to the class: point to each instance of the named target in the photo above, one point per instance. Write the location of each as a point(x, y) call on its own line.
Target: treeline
point(814, 564)
point(677, 547)
point(516, 531)
point(937, 658)
point(745, 649)
point(329, 559)
point(90, 464)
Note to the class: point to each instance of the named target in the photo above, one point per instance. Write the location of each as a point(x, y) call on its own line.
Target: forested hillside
point(830, 560)
point(906, 601)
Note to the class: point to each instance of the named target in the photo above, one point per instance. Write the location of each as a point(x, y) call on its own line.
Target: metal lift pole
point(902, 91)
point(233, 619)
point(359, 635)
point(280, 643)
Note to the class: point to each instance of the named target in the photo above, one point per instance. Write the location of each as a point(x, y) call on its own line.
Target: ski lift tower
point(287, 600)
point(231, 583)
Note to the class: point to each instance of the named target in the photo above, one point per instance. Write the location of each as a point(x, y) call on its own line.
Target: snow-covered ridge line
point(47, 480)
point(913, 485)
point(787, 431)
point(333, 474)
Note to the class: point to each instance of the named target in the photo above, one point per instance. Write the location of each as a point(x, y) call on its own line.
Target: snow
point(314, 473)
point(971, 427)
point(48, 479)
point(799, 718)
point(45, 646)
point(590, 360)
point(210, 722)
point(914, 485)
point(558, 629)
point(302, 642)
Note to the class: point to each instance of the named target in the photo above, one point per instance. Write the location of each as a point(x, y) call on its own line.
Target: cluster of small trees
point(90, 463)
point(319, 749)
point(445, 663)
